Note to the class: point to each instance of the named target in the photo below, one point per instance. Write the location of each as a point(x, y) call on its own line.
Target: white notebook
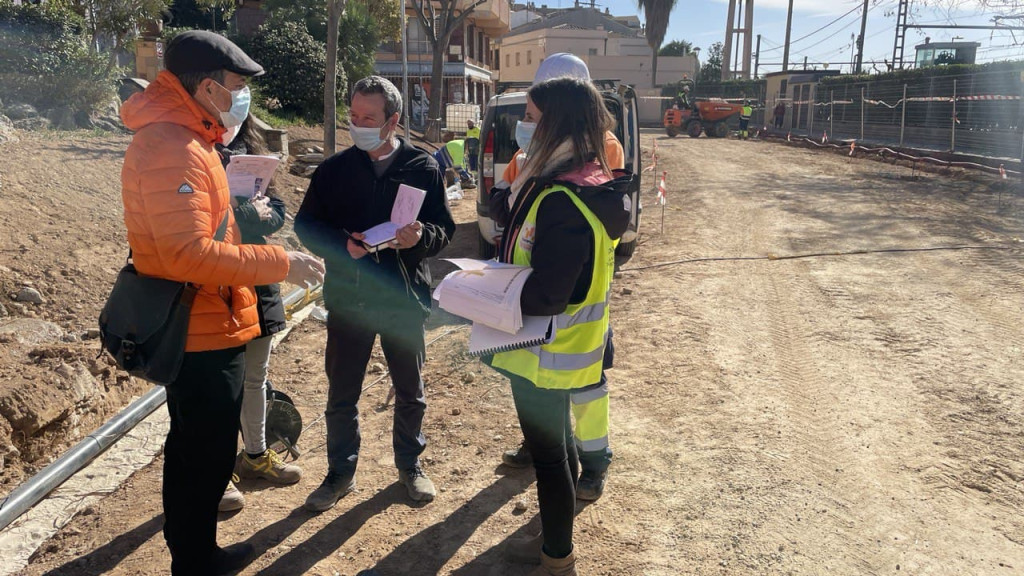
point(405, 210)
point(536, 330)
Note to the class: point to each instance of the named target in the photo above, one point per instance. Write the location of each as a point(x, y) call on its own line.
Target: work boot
point(232, 499)
point(518, 458)
point(269, 467)
point(556, 566)
point(591, 485)
point(232, 558)
point(334, 486)
point(420, 488)
point(525, 550)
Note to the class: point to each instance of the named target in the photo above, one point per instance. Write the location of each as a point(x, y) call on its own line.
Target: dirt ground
point(818, 371)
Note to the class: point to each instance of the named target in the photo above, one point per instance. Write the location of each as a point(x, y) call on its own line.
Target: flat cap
point(204, 51)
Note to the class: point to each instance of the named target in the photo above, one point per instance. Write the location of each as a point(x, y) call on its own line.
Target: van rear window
point(505, 132)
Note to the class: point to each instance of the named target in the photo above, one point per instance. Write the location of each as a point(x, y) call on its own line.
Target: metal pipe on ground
point(37, 487)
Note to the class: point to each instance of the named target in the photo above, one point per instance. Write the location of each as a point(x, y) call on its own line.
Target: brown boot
point(556, 566)
point(525, 550)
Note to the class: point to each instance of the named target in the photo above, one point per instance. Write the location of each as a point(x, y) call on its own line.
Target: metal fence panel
point(975, 113)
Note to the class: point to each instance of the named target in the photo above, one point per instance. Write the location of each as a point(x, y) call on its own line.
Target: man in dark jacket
point(386, 292)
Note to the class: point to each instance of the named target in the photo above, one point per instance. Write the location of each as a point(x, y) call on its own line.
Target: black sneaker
point(518, 458)
point(591, 485)
point(420, 488)
point(232, 558)
point(334, 486)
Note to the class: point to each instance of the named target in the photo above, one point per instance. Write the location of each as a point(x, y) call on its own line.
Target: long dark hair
point(571, 110)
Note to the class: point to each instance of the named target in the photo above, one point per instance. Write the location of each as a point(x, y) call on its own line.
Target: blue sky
point(702, 22)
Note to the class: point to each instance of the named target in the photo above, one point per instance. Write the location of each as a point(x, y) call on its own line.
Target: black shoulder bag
point(144, 324)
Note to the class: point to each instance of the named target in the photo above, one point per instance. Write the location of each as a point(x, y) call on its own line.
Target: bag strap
point(222, 231)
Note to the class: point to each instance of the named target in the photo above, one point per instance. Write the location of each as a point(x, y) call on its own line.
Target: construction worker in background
point(683, 96)
point(590, 405)
point(745, 119)
point(450, 157)
point(472, 144)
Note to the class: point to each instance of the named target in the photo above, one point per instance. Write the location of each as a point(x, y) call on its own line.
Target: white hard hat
point(559, 65)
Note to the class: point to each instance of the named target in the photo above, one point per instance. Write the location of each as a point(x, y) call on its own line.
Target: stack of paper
point(484, 291)
point(250, 175)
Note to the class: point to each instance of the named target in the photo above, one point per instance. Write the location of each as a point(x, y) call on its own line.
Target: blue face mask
point(240, 100)
point(524, 134)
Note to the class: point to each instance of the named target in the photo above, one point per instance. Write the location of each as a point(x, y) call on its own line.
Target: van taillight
point(487, 163)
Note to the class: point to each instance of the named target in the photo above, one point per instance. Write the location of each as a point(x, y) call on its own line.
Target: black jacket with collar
point(345, 195)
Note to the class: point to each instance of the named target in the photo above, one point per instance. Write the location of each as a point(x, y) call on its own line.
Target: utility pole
point(727, 49)
point(405, 67)
point(740, 23)
point(789, 30)
point(757, 56)
point(860, 39)
point(901, 34)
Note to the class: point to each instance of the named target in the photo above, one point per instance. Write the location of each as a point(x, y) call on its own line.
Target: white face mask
point(366, 139)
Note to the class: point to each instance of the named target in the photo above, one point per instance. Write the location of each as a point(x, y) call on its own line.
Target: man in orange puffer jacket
point(175, 195)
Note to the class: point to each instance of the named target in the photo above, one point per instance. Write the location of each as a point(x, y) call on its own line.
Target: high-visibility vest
point(574, 358)
point(473, 132)
point(456, 149)
point(746, 112)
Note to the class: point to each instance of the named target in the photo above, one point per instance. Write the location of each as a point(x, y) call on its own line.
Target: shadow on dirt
point(423, 553)
point(103, 559)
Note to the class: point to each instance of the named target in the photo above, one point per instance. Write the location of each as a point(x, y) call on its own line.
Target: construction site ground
point(819, 370)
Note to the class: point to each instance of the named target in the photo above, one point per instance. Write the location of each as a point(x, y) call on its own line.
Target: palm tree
point(656, 12)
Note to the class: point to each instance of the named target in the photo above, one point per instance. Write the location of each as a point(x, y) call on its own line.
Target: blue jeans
point(350, 337)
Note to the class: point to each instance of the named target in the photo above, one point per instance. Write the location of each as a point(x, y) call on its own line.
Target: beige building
point(469, 63)
point(612, 48)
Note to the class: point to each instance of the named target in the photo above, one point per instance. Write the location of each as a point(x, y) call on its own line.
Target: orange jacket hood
point(165, 100)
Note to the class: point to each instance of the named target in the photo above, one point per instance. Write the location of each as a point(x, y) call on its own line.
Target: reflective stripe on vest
point(574, 359)
point(590, 409)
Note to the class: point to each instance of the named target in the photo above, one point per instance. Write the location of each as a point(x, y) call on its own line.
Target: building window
point(592, 51)
point(529, 56)
point(517, 59)
point(508, 60)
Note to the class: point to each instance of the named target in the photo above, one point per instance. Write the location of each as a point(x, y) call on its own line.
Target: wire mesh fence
point(974, 113)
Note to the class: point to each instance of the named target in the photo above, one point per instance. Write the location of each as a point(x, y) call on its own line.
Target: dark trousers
point(350, 338)
point(547, 428)
point(778, 121)
point(472, 152)
point(199, 456)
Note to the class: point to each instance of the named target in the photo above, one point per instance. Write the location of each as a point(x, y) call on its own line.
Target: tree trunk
point(654, 69)
point(334, 10)
point(433, 133)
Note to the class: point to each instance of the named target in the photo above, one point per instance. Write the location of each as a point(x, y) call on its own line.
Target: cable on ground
point(813, 255)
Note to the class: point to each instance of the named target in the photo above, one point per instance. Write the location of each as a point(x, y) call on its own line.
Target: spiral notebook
point(536, 330)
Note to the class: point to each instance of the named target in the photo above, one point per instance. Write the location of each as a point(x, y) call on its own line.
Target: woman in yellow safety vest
point(562, 216)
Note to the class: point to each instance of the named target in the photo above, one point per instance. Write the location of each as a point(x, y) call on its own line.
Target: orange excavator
point(709, 116)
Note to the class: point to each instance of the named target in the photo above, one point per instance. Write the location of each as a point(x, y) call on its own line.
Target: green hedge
point(45, 60)
point(917, 74)
point(295, 65)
